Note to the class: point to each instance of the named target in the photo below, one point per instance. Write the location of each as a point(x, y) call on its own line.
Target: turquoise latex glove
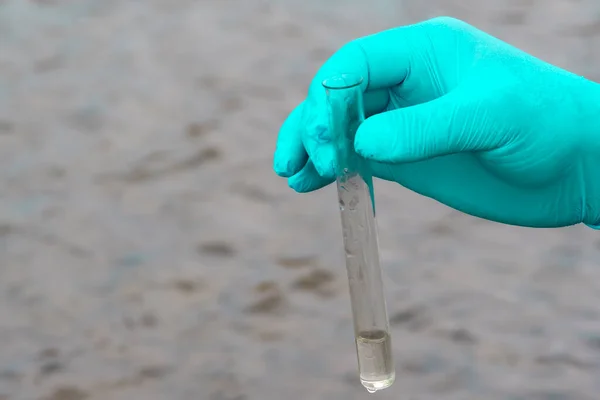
point(464, 118)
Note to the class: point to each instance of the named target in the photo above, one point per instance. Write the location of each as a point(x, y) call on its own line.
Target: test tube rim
point(331, 84)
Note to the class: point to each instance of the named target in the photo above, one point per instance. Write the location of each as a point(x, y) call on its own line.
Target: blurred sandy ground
point(147, 251)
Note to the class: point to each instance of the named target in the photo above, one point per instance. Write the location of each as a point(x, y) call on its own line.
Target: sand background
point(148, 251)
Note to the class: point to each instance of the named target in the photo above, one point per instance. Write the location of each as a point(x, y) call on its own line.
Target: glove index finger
point(349, 59)
point(388, 56)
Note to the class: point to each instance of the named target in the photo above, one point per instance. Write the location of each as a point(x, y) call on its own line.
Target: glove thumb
point(447, 125)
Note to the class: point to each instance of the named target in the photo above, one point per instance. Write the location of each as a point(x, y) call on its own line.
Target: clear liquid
point(375, 363)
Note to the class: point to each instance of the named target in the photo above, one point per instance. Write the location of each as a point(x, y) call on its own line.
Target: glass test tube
point(357, 208)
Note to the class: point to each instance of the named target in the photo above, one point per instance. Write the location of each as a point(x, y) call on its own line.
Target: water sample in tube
point(357, 209)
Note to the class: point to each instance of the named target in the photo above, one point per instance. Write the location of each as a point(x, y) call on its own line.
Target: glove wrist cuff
point(591, 158)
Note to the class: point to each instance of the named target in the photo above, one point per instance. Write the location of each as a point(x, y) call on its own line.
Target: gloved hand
point(464, 118)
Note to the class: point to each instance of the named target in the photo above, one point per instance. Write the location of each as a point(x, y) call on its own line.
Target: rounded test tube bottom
point(375, 362)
